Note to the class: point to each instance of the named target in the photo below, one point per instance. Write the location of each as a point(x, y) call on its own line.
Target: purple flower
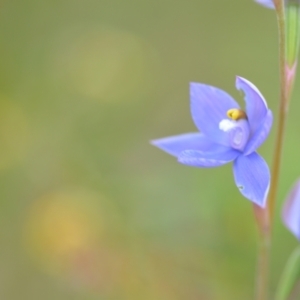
point(227, 134)
point(266, 3)
point(270, 3)
point(291, 210)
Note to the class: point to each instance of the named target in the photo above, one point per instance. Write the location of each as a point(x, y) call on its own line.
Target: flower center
point(236, 114)
point(236, 127)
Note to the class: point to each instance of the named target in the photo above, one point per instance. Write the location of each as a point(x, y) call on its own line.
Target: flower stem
point(262, 269)
point(265, 216)
point(285, 89)
point(262, 278)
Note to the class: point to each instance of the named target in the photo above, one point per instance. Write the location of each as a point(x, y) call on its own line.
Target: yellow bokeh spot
point(236, 114)
point(61, 226)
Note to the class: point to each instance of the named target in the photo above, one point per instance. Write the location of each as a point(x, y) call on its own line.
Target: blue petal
point(256, 106)
point(260, 135)
point(252, 177)
point(220, 156)
point(291, 210)
point(174, 145)
point(209, 106)
point(266, 3)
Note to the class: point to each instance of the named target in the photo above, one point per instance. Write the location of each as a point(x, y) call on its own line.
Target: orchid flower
point(227, 133)
point(291, 210)
point(266, 3)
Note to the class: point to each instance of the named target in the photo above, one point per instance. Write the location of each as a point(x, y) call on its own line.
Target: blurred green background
point(88, 209)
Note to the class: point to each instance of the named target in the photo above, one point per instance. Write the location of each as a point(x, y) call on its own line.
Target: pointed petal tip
point(153, 142)
point(166, 144)
point(260, 202)
point(265, 199)
point(161, 143)
point(239, 81)
point(252, 177)
point(238, 78)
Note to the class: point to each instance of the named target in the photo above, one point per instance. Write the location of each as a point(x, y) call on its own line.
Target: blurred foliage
point(89, 210)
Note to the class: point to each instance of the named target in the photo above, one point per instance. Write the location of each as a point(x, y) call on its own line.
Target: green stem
point(262, 269)
point(285, 89)
point(265, 216)
point(262, 278)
